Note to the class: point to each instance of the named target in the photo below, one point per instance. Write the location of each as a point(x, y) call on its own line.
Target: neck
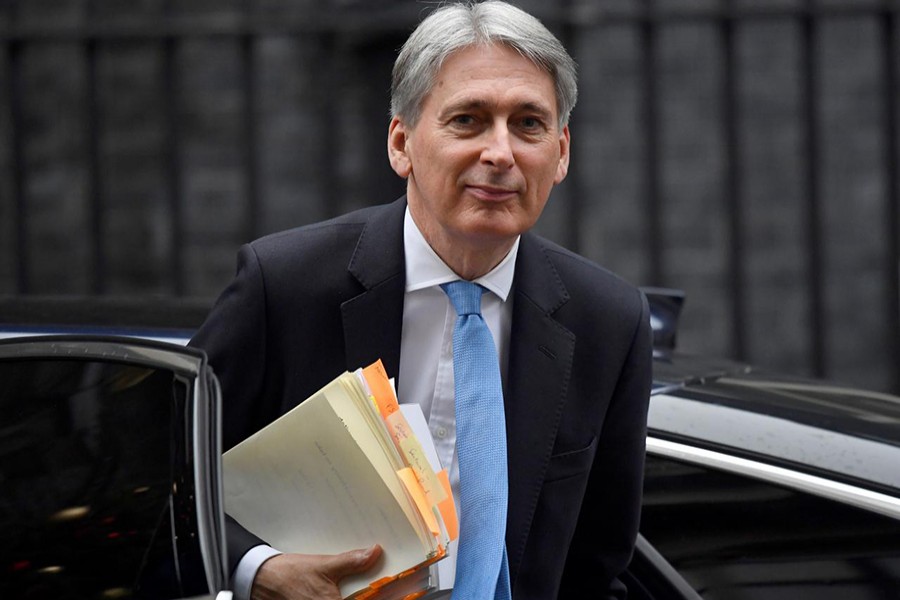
point(472, 264)
point(471, 258)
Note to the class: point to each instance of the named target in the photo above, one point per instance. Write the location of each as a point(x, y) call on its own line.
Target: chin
point(486, 233)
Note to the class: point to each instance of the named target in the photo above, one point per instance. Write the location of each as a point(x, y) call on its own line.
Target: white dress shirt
point(426, 365)
point(426, 347)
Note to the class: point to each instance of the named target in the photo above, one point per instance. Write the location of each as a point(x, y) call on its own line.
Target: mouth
point(490, 193)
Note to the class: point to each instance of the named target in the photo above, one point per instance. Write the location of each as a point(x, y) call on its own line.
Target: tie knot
point(465, 296)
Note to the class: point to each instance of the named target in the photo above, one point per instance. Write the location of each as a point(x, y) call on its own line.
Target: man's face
point(485, 153)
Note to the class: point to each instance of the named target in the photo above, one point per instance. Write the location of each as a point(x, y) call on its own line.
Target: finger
point(349, 563)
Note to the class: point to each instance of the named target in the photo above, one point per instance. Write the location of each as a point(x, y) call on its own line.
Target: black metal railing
point(369, 33)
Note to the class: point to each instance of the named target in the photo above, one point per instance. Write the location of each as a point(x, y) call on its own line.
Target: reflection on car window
point(735, 537)
point(85, 476)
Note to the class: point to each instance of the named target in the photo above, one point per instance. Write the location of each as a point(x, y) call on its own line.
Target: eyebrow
point(468, 104)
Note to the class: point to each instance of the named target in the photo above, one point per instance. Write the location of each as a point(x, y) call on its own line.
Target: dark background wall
point(744, 151)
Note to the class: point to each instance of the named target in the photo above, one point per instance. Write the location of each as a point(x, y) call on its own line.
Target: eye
point(531, 123)
point(463, 120)
point(465, 124)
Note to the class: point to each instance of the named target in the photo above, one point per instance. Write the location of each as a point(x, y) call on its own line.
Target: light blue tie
point(482, 568)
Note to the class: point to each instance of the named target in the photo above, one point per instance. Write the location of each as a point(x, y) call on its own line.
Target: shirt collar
point(424, 268)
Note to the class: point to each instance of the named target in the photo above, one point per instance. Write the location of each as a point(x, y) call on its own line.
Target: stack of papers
point(345, 470)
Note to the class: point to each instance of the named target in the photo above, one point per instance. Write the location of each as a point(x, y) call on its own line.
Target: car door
point(110, 478)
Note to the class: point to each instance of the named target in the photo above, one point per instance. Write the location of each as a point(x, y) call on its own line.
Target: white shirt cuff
point(245, 573)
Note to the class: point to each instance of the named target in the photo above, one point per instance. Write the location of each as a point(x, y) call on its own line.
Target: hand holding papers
point(343, 470)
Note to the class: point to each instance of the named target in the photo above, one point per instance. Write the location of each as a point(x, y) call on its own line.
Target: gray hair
point(457, 26)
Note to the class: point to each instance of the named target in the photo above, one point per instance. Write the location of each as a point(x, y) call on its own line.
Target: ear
point(398, 138)
point(564, 143)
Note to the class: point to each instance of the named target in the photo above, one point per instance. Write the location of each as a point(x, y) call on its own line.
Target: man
point(480, 99)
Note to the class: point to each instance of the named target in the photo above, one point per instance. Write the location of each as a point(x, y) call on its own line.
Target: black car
point(757, 486)
point(760, 486)
point(110, 481)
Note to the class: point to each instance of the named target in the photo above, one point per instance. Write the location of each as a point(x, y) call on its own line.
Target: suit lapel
point(373, 320)
point(540, 362)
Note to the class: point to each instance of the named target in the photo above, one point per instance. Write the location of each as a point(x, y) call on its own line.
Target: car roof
point(829, 406)
point(170, 320)
point(843, 430)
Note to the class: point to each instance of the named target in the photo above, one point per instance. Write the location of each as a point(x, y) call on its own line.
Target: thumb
point(349, 563)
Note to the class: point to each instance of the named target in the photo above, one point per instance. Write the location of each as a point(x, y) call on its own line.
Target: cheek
point(433, 162)
point(544, 162)
point(543, 180)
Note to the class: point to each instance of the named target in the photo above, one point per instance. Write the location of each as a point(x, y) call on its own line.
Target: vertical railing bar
point(250, 143)
point(173, 167)
point(19, 166)
point(650, 108)
point(328, 108)
point(891, 48)
point(575, 199)
point(732, 187)
point(815, 280)
point(98, 279)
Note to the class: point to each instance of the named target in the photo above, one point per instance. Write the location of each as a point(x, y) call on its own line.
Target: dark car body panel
point(853, 435)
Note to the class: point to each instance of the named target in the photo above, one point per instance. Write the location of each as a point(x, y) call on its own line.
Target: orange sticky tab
point(381, 388)
point(414, 456)
point(408, 477)
point(447, 507)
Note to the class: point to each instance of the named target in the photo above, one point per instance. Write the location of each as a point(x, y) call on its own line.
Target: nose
point(497, 150)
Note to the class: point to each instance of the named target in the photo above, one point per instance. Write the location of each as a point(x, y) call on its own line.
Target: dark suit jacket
point(310, 303)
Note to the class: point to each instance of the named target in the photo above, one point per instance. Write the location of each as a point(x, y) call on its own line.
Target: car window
point(735, 537)
point(97, 491)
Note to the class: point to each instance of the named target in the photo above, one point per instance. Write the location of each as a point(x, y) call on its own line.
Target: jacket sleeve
point(608, 523)
point(234, 339)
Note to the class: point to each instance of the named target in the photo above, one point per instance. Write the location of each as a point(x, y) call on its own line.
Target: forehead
point(491, 74)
